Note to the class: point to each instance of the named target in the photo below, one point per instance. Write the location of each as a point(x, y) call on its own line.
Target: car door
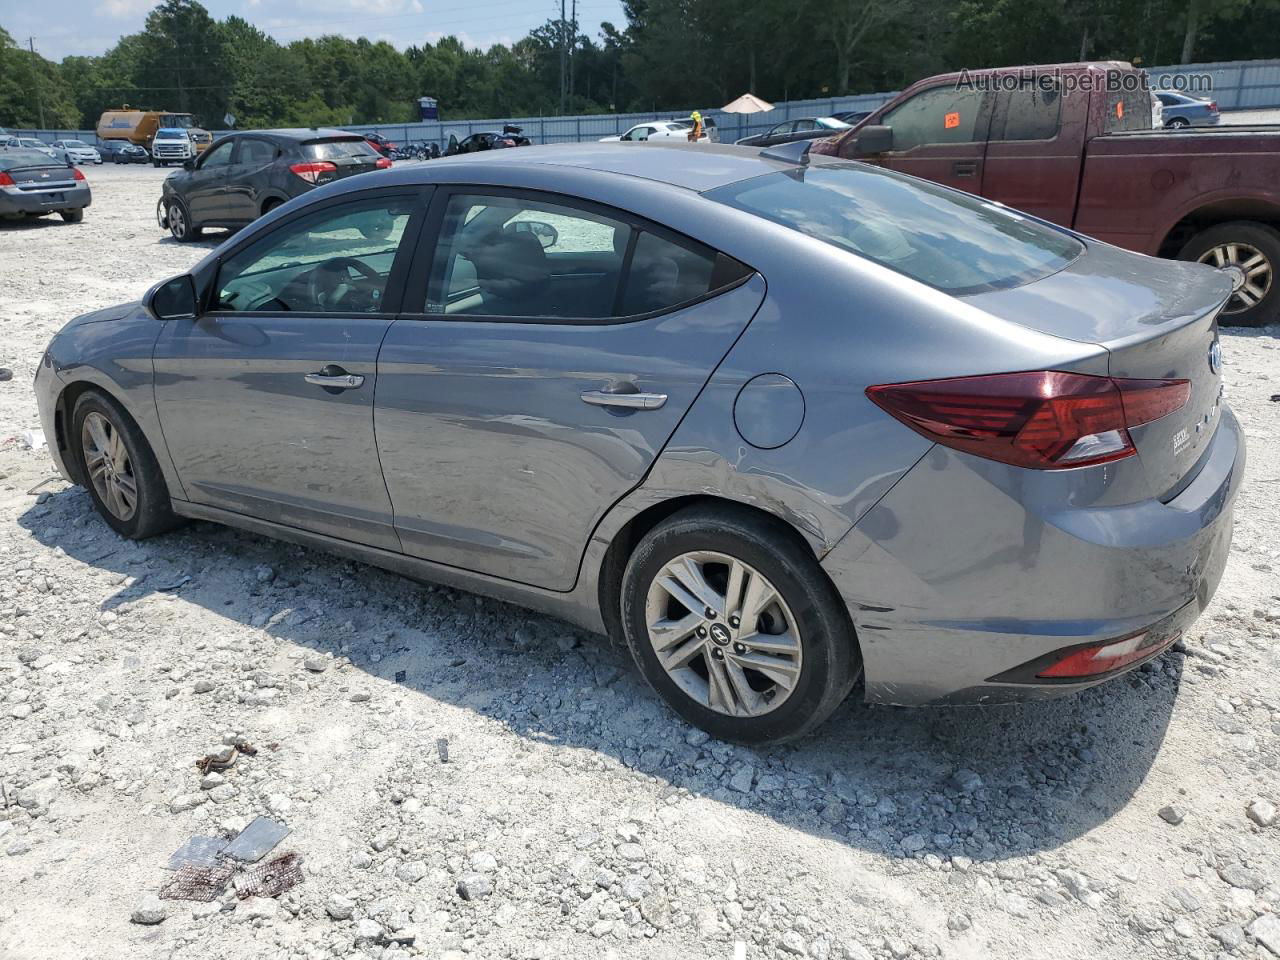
point(523, 400)
point(940, 134)
point(203, 187)
point(266, 398)
point(1033, 155)
point(247, 177)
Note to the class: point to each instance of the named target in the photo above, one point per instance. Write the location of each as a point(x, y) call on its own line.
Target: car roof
point(693, 166)
point(300, 133)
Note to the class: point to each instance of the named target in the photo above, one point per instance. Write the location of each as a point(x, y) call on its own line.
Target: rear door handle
point(965, 168)
point(335, 378)
point(630, 401)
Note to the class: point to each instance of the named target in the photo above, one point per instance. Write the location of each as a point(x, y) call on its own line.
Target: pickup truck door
point(1035, 149)
point(940, 134)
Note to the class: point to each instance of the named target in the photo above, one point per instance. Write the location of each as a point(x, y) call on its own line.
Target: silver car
point(785, 427)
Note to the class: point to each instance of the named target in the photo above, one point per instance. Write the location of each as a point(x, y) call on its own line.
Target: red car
point(380, 143)
point(1073, 143)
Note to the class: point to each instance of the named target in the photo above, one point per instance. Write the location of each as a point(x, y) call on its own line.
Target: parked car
point(381, 144)
point(626, 387)
point(805, 128)
point(852, 117)
point(508, 136)
point(654, 130)
point(245, 175)
point(76, 151)
point(1091, 161)
point(31, 143)
point(122, 151)
point(1180, 111)
point(171, 145)
point(33, 184)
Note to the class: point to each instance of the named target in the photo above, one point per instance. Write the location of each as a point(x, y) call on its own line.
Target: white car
point(654, 130)
point(31, 143)
point(76, 151)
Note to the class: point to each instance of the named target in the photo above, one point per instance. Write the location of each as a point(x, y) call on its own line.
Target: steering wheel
point(330, 282)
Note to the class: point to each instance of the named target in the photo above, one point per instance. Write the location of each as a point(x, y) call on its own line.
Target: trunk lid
point(40, 174)
point(1158, 320)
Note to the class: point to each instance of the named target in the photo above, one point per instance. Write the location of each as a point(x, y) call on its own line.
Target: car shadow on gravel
point(984, 783)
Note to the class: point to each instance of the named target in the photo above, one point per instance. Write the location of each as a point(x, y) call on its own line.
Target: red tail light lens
point(75, 172)
point(383, 163)
point(314, 170)
point(1045, 420)
point(1105, 657)
point(1213, 106)
point(6, 180)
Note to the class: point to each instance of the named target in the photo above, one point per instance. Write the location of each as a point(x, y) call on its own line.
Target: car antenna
point(795, 152)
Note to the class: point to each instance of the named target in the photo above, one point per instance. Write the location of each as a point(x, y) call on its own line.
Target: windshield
point(950, 240)
point(178, 120)
point(74, 143)
point(831, 123)
point(169, 133)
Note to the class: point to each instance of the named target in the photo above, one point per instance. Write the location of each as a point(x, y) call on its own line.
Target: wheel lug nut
point(701, 631)
point(734, 622)
point(717, 653)
point(739, 649)
point(711, 614)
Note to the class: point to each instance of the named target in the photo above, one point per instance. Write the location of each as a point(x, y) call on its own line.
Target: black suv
point(243, 175)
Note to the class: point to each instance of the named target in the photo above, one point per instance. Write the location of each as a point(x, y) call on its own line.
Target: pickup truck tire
point(1253, 247)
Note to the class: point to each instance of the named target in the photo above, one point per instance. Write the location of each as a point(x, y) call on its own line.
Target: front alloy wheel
point(110, 469)
point(724, 634)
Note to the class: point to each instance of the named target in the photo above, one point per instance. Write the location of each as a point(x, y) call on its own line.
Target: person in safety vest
point(695, 134)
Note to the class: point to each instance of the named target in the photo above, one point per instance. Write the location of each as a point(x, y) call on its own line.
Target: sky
point(89, 27)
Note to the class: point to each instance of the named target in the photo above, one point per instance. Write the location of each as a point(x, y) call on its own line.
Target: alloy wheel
point(724, 634)
point(110, 470)
point(1247, 261)
point(177, 221)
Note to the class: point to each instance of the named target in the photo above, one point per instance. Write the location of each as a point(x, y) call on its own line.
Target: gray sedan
point(783, 427)
point(1180, 111)
point(33, 184)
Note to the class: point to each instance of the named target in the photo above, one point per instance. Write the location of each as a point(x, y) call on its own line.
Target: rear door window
point(950, 240)
point(1030, 112)
point(256, 152)
point(1127, 110)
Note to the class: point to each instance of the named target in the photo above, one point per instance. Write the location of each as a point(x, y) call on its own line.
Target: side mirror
point(189, 164)
point(873, 139)
point(172, 299)
point(547, 235)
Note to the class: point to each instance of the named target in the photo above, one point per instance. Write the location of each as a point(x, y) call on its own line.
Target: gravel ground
point(575, 817)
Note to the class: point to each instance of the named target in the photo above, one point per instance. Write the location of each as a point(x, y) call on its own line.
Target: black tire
point(1263, 239)
point(153, 509)
point(1177, 123)
point(179, 220)
point(270, 204)
point(155, 163)
point(830, 663)
point(72, 216)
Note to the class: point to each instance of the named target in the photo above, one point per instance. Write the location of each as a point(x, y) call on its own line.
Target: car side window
point(219, 156)
point(940, 115)
point(510, 257)
point(1127, 110)
point(1030, 113)
point(803, 125)
point(256, 152)
point(337, 260)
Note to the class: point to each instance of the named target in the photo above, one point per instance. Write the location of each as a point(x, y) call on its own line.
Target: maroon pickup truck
point(1073, 144)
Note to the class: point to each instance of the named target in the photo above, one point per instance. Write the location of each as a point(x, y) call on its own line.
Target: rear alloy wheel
point(1250, 253)
point(731, 620)
point(119, 469)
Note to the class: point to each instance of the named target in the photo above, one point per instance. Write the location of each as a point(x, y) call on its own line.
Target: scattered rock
point(1266, 930)
point(1173, 814)
point(339, 907)
point(474, 886)
point(149, 910)
point(1262, 812)
point(965, 781)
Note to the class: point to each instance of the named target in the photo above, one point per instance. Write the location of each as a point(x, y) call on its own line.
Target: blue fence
point(1242, 85)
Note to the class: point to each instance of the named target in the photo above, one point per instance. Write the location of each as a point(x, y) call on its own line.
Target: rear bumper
point(14, 200)
point(959, 575)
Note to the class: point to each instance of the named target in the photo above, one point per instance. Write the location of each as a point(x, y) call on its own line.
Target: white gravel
point(575, 817)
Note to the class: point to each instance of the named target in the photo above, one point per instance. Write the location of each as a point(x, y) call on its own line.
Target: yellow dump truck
point(140, 126)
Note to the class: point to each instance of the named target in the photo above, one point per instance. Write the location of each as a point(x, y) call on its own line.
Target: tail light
point(75, 172)
point(1213, 106)
point(313, 170)
point(507, 142)
point(1102, 658)
point(1046, 420)
point(382, 163)
point(6, 180)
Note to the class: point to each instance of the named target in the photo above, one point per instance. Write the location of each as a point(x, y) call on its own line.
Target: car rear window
point(338, 149)
point(947, 239)
point(18, 157)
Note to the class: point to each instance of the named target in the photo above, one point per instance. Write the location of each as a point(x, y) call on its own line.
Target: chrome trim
point(631, 401)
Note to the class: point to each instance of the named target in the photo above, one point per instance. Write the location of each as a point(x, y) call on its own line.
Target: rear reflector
point(1043, 420)
point(313, 171)
point(1106, 657)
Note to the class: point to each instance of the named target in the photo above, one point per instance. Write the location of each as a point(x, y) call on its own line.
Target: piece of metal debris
point(256, 840)
point(442, 748)
point(270, 879)
point(197, 852)
point(400, 675)
point(202, 884)
point(174, 585)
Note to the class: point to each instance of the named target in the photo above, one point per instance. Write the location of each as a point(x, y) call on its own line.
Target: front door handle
point(630, 401)
point(333, 377)
point(965, 168)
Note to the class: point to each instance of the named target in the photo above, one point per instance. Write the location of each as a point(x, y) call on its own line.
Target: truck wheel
point(155, 163)
point(73, 216)
point(1251, 252)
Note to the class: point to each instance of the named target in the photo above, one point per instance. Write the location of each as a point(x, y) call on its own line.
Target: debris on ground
point(256, 840)
point(201, 884)
point(197, 852)
point(269, 879)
